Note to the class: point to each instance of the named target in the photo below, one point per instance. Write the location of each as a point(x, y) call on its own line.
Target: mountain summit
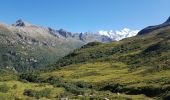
point(156, 27)
point(168, 20)
point(21, 23)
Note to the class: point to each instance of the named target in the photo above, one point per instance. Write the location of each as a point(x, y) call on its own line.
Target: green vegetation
point(133, 66)
point(28, 91)
point(4, 88)
point(38, 94)
point(29, 77)
point(6, 75)
point(136, 68)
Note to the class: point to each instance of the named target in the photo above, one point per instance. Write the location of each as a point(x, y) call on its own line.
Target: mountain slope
point(133, 66)
point(28, 48)
point(148, 29)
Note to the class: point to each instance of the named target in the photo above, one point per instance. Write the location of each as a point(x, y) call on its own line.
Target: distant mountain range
point(101, 36)
point(58, 34)
point(119, 35)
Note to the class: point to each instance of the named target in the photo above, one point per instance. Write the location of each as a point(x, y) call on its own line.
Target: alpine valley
point(26, 47)
point(48, 64)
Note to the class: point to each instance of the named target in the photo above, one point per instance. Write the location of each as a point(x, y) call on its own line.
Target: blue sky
point(86, 15)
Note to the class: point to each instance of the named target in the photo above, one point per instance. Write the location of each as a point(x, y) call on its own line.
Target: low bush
point(82, 84)
point(30, 77)
point(14, 86)
point(69, 86)
point(37, 94)
point(113, 87)
point(166, 96)
point(4, 88)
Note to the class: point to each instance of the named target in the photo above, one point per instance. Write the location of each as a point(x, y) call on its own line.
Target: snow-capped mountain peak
point(119, 35)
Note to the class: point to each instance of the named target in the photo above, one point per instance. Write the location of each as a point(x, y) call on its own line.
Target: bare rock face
point(65, 33)
point(91, 37)
point(21, 23)
point(53, 32)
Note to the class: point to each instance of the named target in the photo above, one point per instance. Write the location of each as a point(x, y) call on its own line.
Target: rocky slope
point(25, 47)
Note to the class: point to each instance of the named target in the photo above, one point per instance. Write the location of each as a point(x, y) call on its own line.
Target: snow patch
point(119, 35)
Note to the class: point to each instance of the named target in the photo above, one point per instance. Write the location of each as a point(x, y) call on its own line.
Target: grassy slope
point(139, 65)
point(17, 92)
point(13, 88)
point(132, 69)
point(16, 89)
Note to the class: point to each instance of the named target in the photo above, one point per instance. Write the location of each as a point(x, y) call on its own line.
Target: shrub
point(91, 44)
point(4, 88)
point(14, 86)
point(167, 96)
point(70, 87)
point(149, 91)
point(37, 94)
point(82, 84)
point(17, 98)
point(30, 77)
point(113, 87)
